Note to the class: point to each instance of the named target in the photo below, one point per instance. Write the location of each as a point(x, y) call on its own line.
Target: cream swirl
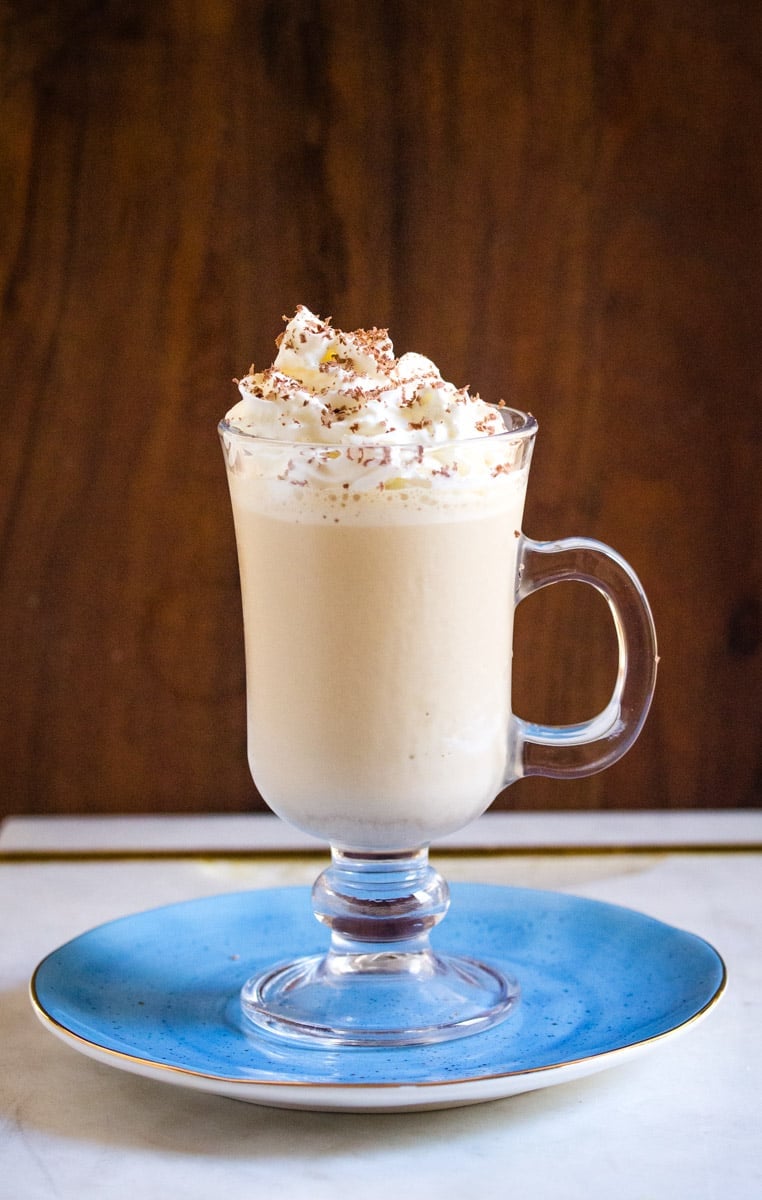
point(330, 387)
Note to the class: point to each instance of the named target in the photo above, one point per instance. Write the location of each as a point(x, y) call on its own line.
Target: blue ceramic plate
point(157, 994)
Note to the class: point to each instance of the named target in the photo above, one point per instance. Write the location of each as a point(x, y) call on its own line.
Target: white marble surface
point(261, 832)
point(681, 1121)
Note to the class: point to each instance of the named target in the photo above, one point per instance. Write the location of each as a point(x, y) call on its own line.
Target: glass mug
point(379, 584)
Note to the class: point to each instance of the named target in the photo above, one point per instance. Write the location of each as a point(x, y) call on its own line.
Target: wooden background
point(558, 200)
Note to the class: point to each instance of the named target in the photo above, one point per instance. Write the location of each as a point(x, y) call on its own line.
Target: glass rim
point(524, 430)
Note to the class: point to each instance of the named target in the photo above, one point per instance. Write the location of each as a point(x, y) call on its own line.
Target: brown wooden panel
point(558, 202)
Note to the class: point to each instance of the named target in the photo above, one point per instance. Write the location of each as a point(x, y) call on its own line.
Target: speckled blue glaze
point(162, 986)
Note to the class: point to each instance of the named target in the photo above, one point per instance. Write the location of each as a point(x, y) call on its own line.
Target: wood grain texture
point(557, 200)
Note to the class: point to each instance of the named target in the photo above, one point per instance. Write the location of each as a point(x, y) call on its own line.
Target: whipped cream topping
point(330, 387)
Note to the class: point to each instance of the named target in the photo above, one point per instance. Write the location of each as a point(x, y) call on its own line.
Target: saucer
point(156, 994)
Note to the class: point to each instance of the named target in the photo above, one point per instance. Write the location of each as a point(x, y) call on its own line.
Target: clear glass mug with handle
point(379, 584)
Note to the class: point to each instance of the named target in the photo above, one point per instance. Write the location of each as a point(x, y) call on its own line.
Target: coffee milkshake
point(378, 513)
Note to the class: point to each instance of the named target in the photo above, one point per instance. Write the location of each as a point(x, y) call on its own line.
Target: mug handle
point(571, 751)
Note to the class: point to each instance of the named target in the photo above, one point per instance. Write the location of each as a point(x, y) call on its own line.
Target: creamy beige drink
point(378, 519)
point(377, 513)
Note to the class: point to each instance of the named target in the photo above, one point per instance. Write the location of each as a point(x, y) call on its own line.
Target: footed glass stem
point(380, 983)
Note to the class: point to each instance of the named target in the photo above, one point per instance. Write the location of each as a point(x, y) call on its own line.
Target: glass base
point(380, 983)
point(378, 999)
